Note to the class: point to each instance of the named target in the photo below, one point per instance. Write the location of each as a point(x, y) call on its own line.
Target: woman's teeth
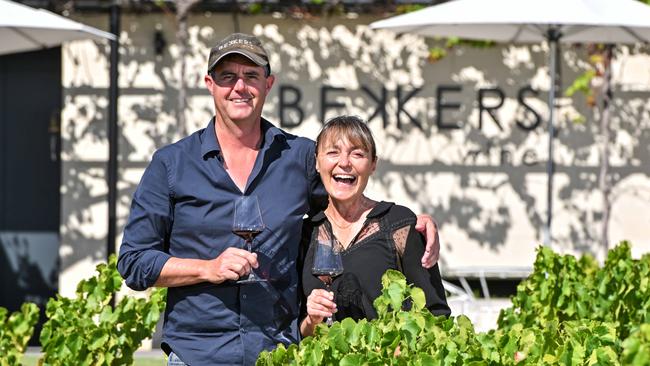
point(343, 178)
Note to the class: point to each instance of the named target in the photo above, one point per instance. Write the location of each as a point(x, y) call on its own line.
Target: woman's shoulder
point(393, 210)
point(393, 214)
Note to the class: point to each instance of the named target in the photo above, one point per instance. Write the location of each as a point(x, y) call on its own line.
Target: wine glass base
point(244, 281)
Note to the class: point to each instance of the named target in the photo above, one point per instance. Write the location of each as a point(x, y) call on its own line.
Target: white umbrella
point(530, 21)
point(23, 28)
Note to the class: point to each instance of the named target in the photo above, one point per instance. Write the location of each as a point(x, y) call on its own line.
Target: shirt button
point(243, 296)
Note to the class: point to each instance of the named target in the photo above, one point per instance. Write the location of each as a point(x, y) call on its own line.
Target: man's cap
point(239, 43)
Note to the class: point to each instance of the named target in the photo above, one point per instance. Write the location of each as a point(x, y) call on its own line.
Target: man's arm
point(143, 261)
point(142, 253)
point(428, 227)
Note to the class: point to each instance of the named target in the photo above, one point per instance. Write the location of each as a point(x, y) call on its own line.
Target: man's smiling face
point(239, 88)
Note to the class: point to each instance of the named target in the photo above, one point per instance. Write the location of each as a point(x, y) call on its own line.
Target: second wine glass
point(327, 263)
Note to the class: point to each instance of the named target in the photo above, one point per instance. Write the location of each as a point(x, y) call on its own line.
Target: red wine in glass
point(247, 234)
point(327, 274)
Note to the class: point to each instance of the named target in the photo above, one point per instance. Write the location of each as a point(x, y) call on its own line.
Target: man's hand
point(231, 264)
point(428, 227)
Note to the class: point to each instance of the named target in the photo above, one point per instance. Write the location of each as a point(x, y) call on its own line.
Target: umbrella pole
point(113, 139)
point(553, 35)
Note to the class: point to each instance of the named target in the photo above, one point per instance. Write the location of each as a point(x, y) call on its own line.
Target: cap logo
point(236, 42)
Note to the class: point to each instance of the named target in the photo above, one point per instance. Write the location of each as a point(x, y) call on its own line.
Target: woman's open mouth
point(344, 178)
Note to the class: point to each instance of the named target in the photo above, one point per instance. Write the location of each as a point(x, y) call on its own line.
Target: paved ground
point(141, 358)
point(482, 312)
point(36, 351)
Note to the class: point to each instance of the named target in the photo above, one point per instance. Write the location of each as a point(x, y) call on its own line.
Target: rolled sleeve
point(428, 280)
point(143, 252)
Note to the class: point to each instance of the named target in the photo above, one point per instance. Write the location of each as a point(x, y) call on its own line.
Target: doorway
point(30, 174)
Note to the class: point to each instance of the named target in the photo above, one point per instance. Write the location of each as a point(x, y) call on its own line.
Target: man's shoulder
point(185, 144)
point(301, 142)
point(298, 144)
point(294, 139)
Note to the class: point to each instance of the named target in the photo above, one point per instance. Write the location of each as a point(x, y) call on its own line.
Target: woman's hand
point(320, 305)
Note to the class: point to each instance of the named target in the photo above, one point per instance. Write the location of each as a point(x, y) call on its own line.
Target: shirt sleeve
point(428, 280)
point(143, 252)
point(317, 194)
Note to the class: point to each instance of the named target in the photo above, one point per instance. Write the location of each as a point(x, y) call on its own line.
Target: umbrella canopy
point(529, 21)
point(23, 28)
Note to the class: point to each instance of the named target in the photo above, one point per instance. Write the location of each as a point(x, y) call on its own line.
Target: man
point(179, 233)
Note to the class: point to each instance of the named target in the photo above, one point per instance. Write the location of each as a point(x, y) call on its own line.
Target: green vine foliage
point(636, 348)
point(580, 342)
point(405, 333)
point(582, 84)
point(437, 53)
point(15, 332)
point(87, 330)
point(568, 312)
point(563, 288)
point(408, 8)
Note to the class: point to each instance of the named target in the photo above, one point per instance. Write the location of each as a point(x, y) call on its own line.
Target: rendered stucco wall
point(484, 182)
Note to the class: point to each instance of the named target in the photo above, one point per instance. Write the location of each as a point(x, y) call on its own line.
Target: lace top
point(387, 240)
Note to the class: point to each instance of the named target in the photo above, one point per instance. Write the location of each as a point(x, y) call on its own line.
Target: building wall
point(482, 176)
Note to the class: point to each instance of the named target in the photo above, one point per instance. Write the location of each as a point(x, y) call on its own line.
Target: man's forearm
point(182, 272)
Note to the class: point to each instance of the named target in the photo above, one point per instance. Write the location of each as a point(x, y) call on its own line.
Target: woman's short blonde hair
point(351, 128)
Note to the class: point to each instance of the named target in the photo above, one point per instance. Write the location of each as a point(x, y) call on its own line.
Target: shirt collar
point(210, 144)
point(209, 141)
point(380, 208)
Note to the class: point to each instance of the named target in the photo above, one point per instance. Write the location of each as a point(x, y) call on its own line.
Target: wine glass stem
point(329, 320)
point(249, 246)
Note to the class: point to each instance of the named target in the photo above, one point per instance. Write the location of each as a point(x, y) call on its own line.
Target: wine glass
point(247, 224)
point(327, 263)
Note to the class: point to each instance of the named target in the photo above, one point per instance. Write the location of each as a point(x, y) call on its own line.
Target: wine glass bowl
point(247, 224)
point(327, 263)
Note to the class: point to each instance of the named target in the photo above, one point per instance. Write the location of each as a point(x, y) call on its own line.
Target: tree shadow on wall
point(373, 62)
point(146, 118)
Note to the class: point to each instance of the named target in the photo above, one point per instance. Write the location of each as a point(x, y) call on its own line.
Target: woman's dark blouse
point(388, 228)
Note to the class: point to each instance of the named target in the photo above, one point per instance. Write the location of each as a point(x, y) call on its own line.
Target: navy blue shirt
point(183, 207)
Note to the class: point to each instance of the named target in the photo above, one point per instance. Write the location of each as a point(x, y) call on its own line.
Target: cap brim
point(249, 55)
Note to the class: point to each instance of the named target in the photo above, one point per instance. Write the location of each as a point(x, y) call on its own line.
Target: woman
point(373, 236)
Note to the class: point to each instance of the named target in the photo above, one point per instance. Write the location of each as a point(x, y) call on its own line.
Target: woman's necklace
point(362, 207)
point(338, 225)
point(345, 234)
